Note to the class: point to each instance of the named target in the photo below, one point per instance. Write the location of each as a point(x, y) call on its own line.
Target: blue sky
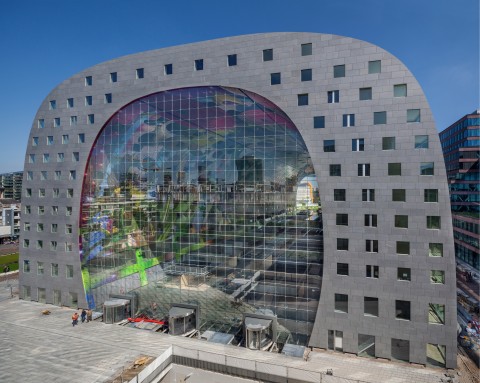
point(44, 42)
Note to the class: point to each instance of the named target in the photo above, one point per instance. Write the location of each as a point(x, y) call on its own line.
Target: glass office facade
point(204, 195)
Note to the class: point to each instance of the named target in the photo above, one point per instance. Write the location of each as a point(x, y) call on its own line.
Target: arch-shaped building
point(194, 173)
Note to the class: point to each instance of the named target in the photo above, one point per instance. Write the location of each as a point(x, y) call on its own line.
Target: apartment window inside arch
point(69, 271)
point(49, 140)
point(56, 122)
point(400, 90)
point(319, 122)
point(363, 170)
point(370, 220)
point(26, 265)
point(358, 145)
point(60, 157)
point(402, 310)
point(421, 142)
point(302, 99)
point(73, 120)
point(333, 96)
point(275, 78)
point(113, 77)
point(365, 94)
point(335, 170)
point(342, 244)
point(404, 274)
point(371, 246)
point(437, 277)
point(430, 195)
point(52, 105)
point(88, 81)
point(388, 143)
point(43, 175)
point(198, 64)
point(339, 195)
point(398, 195)
point(426, 169)
point(306, 75)
point(232, 60)
point(88, 100)
point(348, 120)
point(70, 103)
point(379, 118)
point(403, 247)
point(371, 271)
point(139, 73)
point(81, 138)
point(41, 123)
point(341, 303)
point(339, 71)
point(34, 141)
point(306, 49)
point(65, 139)
point(413, 115)
point(435, 249)
point(341, 219)
point(433, 222)
point(41, 210)
point(342, 269)
point(90, 119)
point(374, 66)
point(401, 221)
point(436, 313)
point(368, 195)
point(370, 306)
point(328, 145)
point(28, 192)
point(75, 156)
point(108, 98)
point(54, 268)
point(31, 158)
point(29, 175)
point(168, 69)
point(267, 54)
point(46, 158)
point(394, 169)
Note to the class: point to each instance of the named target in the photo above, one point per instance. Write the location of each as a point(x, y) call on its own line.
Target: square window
point(56, 122)
point(81, 138)
point(365, 94)
point(436, 313)
point(413, 115)
point(267, 54)
point(437, 277)
point(433, 222)
point(319, 122)
point(379, 118)
point(113, 77)
point(430, 195)
point(70, 103)
point(328, 145)
point(232, 60)
point(370, 306)
point(404, 274)
point(368, 195)
point(108, 98)
point(400, 90)
point(88, 100)
point(275, 78)
point(333, 96)
point(374, 66)
point(198, 64)
point(371, 246)
point(370, 220)
point(402, 310)
point(69, 271)
point(358, 145)
point(339, 71)
point(388, 143)
point(73, 120)
point(348, 120)
point(168, 69)
point(90, 119)
point(306, 49)
point(435, 249)
point(398, 195)
point(426, 168)
point(401, 221)
point(421, 142)
point(335, 170)
point(302, 99)
point(88, 81)
point(394, 169)
point(363, 170)
point(139, 73)
point(371, 271)
point(342, 268)
point(306, 75)
point(403, 247)
point(60, 157)
point(54, 269)
point(339, 194)
point(342, 219)
point(342, 244)
point(52, 105)
point(41, 123)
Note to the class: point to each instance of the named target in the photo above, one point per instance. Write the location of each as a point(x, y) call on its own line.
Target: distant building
point(460, 145)
point(11, 185)
point(9, 220)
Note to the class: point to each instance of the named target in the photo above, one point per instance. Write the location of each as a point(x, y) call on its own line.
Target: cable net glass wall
point(204, 195)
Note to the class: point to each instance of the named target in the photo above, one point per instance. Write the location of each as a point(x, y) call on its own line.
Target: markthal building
point(260, 191)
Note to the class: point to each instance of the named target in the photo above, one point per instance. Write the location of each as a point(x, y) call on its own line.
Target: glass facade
point(204, 195)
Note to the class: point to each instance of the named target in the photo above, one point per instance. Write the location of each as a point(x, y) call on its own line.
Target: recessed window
point(54, 210)
point(403, 247)
point(69, 193)
point(401, 221)
point(60, 157)
point(81, 138)
point(275, 78)
point(368, 195)
point(435, 249)
point(88, 81)
point(46, 158)
point(65, 139)
point(72, 175)
point(69, 271)
point(57, 175)
point(342, 219)
point(402, 310)
point(40, 268)
point(68, 211)
point(26, 226)
point(168, 69)
point(68, 247)
point(41, 123)
point(339, 194)
point(113, 77)
point(88, 100)
point(371, 246)
point(341, 303)
point(388, 143)
point(28, 192)
point(52, 105)
point(26, 263)
point(398, 195)
point(28, 209)
point(430, 195)
point(306, 49)
point(370, 220)
point(365, 94)
point(426, 168)
point(371, 271)
point(400, 90)
point(333, 96)
point(90, 119)
point(306, 75)
point(404, 274)
point(49, 140)
point(370, 306)
point(394, 169)
point(335, 170)
point(433, 222)
point(41, 210)
point(75, 156)
point(379, 118)
point(348, 120)
point(198, 65)
point(73, 120)
point(328, 145)
point(366, 346)
point(29, 175)
point(70, 103)
point(68, 229)
point(31, 158)
point(232, 60)
point(54, 266)
point(319, 122)
point(39, 244)
point(374, 66)
point(413, 115)
point(358, 145)
point(267, 54)
point(56, 122)
point(437, 277)
point(41, 193)
point(436, 355)
point(40, 227)
point(302, 99)
point(436, 313)
point(26, 243)
point(363, 170)
point(421, 142)
point(139, 73)
point(342, 243)
point(342, 268)
point(339, 71)
point(56, 192)
point(108, 98)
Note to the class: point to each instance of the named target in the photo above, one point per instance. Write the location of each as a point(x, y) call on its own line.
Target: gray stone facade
point(59, 194)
